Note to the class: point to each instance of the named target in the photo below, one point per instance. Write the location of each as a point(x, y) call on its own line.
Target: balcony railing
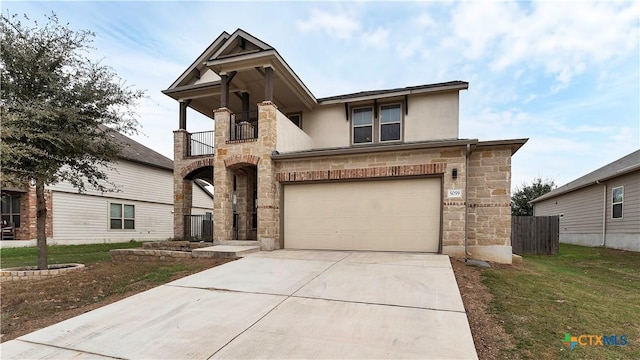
point(243, 126)
point(201, 143)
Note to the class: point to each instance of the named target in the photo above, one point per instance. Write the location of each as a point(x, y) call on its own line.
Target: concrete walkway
point(276, 305)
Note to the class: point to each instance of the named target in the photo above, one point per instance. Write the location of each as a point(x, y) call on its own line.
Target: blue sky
point(566, 75)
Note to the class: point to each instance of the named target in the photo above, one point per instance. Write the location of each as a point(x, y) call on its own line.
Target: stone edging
point(32, 272)
point(149, 255)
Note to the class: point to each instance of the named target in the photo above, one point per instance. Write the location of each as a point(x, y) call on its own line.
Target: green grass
point(60, 254)
point(163, 275)
point(581, 290)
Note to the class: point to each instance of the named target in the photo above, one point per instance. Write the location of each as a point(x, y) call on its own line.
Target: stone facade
point(481, 212)
point(242, 160)
point(489, 207)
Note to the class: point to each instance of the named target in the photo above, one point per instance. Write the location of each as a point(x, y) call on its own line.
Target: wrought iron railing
point(198, 227)
point(201, 143)
point(243, 126)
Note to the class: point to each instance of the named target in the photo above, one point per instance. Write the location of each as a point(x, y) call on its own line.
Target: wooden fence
point(535, 234)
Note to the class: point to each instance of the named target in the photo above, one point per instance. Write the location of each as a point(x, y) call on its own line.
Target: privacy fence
point(535, 234)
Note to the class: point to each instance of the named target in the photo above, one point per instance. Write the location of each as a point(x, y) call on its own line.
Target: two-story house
point(377, 170)
point(141, 208)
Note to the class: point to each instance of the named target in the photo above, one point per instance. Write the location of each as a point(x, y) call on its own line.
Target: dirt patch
point(29, 305)
point(489, 337)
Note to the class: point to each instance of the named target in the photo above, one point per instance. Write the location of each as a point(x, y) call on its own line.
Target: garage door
point(386, 215)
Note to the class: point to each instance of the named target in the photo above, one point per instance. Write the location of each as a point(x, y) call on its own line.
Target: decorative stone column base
point(269, 244)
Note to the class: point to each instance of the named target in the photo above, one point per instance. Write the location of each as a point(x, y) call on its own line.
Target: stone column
point(222, 179)
point(268, 205)
point(179, 152)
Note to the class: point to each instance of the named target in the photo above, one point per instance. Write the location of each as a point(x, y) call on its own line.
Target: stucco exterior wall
point(327, 125)
point(290, 137)
point(432, 117)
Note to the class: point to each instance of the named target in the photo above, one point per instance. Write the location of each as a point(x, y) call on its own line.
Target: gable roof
point(240, 39)
point(365, 95)
point(136, 152)
point(617, 168)
point(194, 68)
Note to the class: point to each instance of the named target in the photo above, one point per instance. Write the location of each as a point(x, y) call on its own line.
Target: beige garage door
point(385, 215)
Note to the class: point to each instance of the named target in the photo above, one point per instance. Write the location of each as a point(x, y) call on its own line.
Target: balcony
point(200, 143)
point(243, 126)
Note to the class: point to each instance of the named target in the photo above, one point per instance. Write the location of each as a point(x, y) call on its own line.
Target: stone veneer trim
point(200, 163)
point(241, 160)
point(362, 173)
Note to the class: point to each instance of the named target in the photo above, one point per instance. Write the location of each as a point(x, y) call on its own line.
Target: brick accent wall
point(362, 173)
point(28, 214)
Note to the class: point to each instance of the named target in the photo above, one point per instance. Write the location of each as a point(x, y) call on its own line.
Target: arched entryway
point(244, 197)
point(193, 204)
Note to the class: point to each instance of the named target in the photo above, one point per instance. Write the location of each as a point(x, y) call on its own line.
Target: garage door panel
point(389, 215)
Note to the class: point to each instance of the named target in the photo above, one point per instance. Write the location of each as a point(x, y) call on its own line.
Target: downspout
point(604, 214)
point(466, 201)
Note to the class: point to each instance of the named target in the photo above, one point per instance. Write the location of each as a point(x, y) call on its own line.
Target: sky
point(566, 75)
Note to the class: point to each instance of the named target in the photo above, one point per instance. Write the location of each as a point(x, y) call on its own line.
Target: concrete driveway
point(280, 304)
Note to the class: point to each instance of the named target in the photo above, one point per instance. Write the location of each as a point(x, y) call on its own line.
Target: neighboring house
point(601, 208)
point(142, 209)
point(375, 170)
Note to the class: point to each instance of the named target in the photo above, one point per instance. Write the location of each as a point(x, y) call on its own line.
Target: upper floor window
point(296, 119)
point(122, 216)
point(363, 125)
point(11, 210)
point(617, 199)
point(390, 119)
point(369, 127)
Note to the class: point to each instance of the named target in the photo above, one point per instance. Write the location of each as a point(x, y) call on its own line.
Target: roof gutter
point(620, 172)
point(370, 149)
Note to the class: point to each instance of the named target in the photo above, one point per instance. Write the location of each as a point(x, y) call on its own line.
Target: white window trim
point(621, 203)
point(122, 205)
point(399, 122)
point(372, 125)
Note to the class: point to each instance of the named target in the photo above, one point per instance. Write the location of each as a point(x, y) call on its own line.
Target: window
point(377, 124)
point(122, 216)
point(11, 210)
point(390, 118)
point(296, 119)
point(362, 125)
point(617, 200)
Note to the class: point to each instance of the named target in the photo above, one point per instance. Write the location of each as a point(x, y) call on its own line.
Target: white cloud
point(564, 39)
point(341, 26)
point(424, 20)
point(377, 38)
point(408, 48)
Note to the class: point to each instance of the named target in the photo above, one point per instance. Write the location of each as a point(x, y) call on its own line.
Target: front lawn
point(29, 305)
point(61, 254)
point(580, 291)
